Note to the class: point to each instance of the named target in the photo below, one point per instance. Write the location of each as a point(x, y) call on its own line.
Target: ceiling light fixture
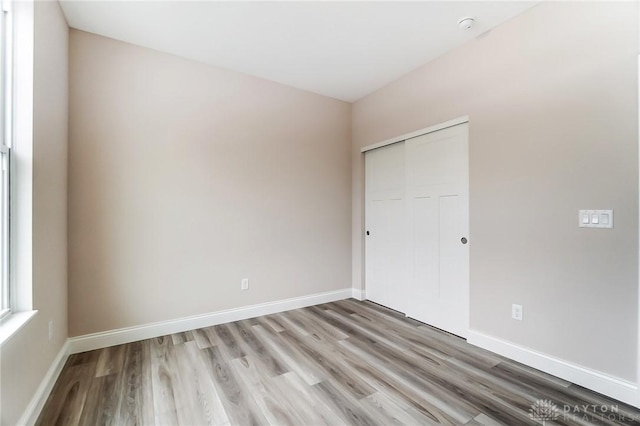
point(466, 23)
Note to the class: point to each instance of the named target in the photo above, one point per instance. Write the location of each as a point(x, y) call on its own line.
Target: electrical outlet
point(516, 312)
point(50, 330)
point(244, 285)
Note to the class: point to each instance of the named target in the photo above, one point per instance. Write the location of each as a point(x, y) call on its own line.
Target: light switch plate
point(595, 218)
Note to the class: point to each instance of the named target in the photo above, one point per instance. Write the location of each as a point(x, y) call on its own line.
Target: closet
point(417, 227)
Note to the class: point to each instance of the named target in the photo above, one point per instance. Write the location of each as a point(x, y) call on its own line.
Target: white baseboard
point(358, 294)
point(120, 336)
point(603, 383)
point(36, 404)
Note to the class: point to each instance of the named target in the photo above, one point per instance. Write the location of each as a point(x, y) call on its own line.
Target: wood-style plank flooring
point(347, 362)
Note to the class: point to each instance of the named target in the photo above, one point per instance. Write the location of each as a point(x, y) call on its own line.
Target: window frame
point(6, 138)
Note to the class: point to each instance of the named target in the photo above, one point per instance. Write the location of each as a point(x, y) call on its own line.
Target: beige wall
point(184, 179)
point(551, 97)
point(29, 354)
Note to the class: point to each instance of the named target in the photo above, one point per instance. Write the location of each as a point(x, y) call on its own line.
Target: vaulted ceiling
point(344, 50)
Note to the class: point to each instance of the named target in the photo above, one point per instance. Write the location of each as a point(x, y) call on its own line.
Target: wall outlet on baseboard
point(244, 284)
point(516, 312)
point(50, 330)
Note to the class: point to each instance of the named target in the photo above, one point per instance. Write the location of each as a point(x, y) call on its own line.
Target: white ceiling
point(344, 50)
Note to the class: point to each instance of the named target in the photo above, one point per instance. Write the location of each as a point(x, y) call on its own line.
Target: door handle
point(367, 232)
point(463, 240)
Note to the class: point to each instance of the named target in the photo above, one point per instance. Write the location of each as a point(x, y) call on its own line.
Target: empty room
point(319, 212)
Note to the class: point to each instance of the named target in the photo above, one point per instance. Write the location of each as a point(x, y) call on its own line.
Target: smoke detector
point(466, 23)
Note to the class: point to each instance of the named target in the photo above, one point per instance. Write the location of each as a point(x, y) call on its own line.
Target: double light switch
point(595, 219)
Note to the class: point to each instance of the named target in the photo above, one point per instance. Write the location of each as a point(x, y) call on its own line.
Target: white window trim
point(13, 323)
point(21, 170)
point(6, 125)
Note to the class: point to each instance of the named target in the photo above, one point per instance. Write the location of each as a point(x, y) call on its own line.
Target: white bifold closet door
point(417, 252)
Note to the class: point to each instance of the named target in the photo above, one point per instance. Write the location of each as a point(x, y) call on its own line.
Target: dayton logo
point(544, 410)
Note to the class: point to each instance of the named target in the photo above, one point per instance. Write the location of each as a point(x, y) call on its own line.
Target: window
point(6, 137)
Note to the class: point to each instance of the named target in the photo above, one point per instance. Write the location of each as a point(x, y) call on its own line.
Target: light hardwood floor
point(345, 362)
